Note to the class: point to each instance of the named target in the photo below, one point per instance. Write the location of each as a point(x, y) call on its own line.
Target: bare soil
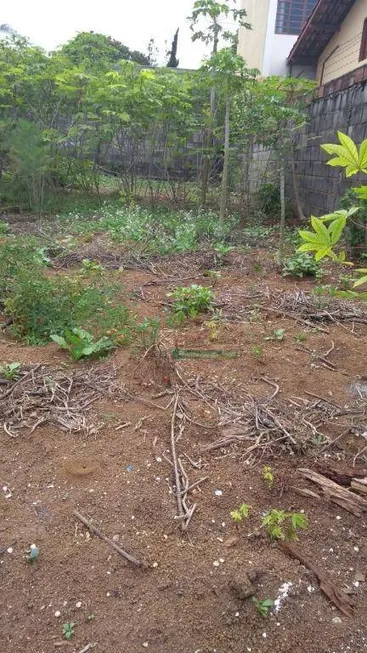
point(187, 597)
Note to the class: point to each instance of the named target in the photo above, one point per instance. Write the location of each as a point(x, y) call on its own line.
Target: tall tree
point(96, 50)
point(207, 23)
point(173, 61)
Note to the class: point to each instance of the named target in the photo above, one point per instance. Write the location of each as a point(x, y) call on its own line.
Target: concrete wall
point(341, 55)
point(320, 186)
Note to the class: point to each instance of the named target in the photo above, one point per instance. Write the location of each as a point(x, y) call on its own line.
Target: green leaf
point(321, 230)
point(60, 341)
point(361, 192)
point(363, 156)
point(336, 229)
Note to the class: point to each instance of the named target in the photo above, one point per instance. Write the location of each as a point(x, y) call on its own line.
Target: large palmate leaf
point(347, 155)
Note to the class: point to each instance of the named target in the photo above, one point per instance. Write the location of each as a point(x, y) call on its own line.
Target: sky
point(133, 22)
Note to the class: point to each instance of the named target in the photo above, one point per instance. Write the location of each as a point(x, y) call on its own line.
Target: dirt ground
point(190, 594)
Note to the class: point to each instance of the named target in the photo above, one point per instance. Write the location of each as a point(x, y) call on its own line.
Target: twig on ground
point(113, 544)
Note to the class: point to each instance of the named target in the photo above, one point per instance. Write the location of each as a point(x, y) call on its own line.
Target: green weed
point(301, 265)
point(300, 337)
point(189, 301)
point(262, 607)
point(278, 334)
point(257, 352)
point(282, 525)
point(241, 513)
point(268, 476)
point(10, 371)
point(68, 630)
point(80, 344)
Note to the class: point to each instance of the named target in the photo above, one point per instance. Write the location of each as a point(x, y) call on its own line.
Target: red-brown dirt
point(185, 601)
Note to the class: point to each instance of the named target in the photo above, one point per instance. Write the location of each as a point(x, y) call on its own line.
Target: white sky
point(133, 22)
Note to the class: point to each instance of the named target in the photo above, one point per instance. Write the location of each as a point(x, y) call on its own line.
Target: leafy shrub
point(189, 301)
point(356, 228)
point(81, 344)
point(10, 371)
point(283, 525)
point(300, 265)
point(15, 256)
point(268, 199)
point(159, 231)
point(40, 307)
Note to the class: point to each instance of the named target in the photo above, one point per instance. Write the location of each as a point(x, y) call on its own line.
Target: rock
point(337, 620)
point(360, 577)
point(241, 586)
point(230, 541)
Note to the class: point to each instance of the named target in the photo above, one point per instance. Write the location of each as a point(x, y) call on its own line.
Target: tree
point(97, 50)
point(173, 61)
point(207, 25)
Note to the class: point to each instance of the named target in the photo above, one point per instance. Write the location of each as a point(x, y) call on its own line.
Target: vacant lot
point(192, 412)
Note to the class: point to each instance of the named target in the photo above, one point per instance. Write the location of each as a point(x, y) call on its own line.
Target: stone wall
point(321, 186)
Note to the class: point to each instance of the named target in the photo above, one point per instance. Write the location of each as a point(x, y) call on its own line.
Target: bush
point(40, 307)
point(301, 265)
point(356, 229)
point(189, 301)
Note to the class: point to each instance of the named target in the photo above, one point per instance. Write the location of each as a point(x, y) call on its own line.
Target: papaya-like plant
point(328, 229)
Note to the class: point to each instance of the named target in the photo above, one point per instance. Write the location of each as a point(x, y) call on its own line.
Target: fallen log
point(359, 485)
point(341, 474)
point(335, 493)
point(336, 596)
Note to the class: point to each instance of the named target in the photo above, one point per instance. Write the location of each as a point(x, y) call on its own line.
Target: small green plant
point(268, 476)
point(33, 553)
point(278, 334)
point(257, 351)
point(146, 333)
point(80, 344)
point(282, 525)
point(4, 228)
point(264, 606)
point(91, 266)
point(258, 268)
point(241, 513)
point(68, 630)
point(300, 337)
point(10, 371)
point(301, 265)
point(189, 301)
point(221, 251)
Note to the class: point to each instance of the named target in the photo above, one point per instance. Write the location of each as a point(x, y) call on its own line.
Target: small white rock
point(57, 614)
point(155, 565)
point(145, 644)
point(356, 549)
point(218, 493)
point(115, 538)
point(10, 549)
point(78, 604)
point(216, 563)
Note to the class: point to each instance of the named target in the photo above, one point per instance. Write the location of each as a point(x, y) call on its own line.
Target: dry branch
point(336, 596)
point(97, 532)
point(336, 493)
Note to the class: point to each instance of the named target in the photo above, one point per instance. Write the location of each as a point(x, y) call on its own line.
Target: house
point(334, 43)
point(276, 25)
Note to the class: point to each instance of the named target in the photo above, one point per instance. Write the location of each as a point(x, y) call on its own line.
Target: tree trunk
point(209, 139)
point(224, 191)
point(300, 213)
point(282, 213)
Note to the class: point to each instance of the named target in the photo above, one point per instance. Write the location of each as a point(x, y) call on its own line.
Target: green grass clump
point(41, 306)
point(189, 301)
